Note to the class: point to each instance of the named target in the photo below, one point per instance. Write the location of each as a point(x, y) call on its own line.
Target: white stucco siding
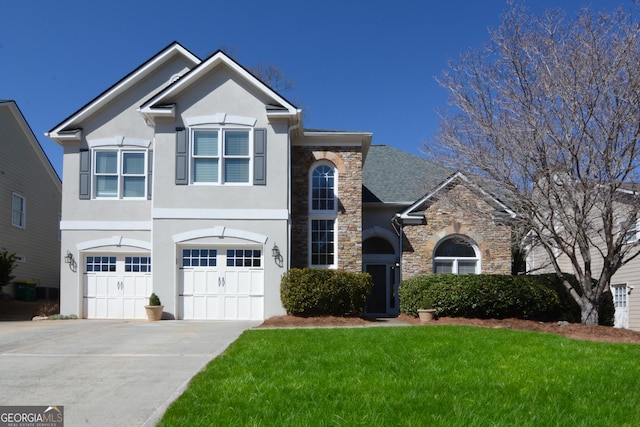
point(218, 95)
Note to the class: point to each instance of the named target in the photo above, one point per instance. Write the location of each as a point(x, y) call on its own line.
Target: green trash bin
point(26, 291)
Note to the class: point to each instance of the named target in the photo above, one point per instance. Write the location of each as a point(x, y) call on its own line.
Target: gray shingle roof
point(394, 176)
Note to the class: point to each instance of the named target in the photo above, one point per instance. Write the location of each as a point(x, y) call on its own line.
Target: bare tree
point(549, 111)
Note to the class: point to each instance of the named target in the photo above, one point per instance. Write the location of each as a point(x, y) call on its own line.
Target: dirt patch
point(16, 310)
point(572, 330)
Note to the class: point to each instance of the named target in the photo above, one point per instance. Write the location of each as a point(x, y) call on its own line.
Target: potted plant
point(427, 313)
point(154, 309)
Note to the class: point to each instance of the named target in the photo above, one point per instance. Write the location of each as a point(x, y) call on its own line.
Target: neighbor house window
point(323, 204)
point(455, 255)
point(221, 156)
point(120, 174)
point(631, 235)
point(18, 210)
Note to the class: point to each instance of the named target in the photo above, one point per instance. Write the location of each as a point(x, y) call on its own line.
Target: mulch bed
point(572, 330)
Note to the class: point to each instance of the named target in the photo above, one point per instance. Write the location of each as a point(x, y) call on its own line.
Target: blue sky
point(357, 65)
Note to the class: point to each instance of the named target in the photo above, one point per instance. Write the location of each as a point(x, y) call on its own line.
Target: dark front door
point(382, 299)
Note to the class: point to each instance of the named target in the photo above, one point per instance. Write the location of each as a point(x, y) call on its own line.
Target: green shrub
point(154, 299)
point(480, 296)
point(315, 292)
point(537, 297)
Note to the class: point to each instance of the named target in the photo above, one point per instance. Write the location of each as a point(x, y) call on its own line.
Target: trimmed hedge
point(316, 292)
point(481, 296)
point(536, 297)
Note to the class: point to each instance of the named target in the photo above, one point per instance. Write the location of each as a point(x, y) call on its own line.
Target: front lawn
point(411, 376)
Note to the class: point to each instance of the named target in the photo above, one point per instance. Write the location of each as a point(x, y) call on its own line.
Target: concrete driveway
point(107, 372)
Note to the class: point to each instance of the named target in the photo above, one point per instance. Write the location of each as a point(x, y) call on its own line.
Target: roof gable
point(67, 129)
point(160, 104)
point(456, 179)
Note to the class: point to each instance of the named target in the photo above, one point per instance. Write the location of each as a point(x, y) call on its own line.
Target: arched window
point(323, 197)
point(377, 245)
point(323, 212)
point(456, 255)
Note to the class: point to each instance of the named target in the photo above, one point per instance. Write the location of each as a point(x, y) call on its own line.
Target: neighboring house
point(626, 300)
point(194, 180)
point(30, 197)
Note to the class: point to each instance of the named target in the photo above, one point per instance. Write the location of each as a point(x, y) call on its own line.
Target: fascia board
point(120, 87)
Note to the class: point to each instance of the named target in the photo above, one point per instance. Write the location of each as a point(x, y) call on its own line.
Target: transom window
point(101, 263)
point(18, 210)
point(323, 212)
point(199, 257)
point(244, 257)
point(137, 264)
point(120, 173)
point(221, 156)
point(455, 255)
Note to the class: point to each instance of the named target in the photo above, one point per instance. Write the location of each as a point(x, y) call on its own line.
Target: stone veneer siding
point(348, 162)
point(457, 211)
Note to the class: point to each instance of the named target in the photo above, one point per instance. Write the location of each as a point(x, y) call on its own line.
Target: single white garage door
point(222, 283)
point(116, 286)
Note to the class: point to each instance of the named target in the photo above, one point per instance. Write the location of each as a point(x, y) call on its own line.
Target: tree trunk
point(589, 315)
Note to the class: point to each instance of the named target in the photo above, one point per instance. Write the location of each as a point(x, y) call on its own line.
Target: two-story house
point(195, 180)
point(30, 195)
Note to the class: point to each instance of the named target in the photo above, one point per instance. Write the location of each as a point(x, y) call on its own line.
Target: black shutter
point(182, 157)
point(85, 174)
point(260, 157)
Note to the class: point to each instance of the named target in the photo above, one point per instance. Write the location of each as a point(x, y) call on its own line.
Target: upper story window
point(323, 186)
point(631, 235)
point(120, 173)
point(323, 212)
point(456, 255)
point(18, 210)
point(221, 156)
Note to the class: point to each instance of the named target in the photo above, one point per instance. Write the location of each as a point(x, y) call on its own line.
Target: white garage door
point(219, 283)
point(117, 286)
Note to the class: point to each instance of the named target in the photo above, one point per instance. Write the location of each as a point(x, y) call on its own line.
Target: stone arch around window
point(456, 254)
point(329, 156)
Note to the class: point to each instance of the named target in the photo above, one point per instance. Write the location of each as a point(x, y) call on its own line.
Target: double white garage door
point(213, 283)
point(222, 284)
point(116, 287)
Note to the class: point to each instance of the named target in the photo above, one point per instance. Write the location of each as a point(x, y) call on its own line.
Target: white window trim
point(23, 212)
point(222, 129)
point(454, 268)
point(327, 214)
point(119, 172)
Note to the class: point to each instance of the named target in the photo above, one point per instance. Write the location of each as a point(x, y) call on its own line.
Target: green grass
point(413, 376)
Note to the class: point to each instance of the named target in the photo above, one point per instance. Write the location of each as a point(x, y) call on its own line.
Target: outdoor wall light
point(277, 256)
point(68, 259)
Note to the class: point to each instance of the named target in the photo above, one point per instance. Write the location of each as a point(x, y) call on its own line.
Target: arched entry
point(379, 259)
